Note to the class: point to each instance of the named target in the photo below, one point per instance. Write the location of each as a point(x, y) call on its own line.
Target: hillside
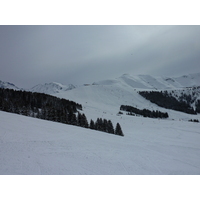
point(149, 146)
point(137, 82)
point(33, 146)
point(51, 88)
point(153, 82)
point(8, 85)
point(106, 97)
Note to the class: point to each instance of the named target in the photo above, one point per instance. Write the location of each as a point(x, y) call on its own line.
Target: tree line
point(100, 124)
point(145, 112)
point(38, 105)
point(194, 120)
point(166, 100)
point(106, 126)
point(47, 107)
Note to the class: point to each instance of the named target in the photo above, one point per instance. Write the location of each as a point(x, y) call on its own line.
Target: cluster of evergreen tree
point(145, 112)
point(166, 100)
point(194, 120)
point(38, 105)
point(106, 126)
point(51, 108)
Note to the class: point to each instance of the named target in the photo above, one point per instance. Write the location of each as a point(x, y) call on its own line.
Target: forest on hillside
point(167, 100)
point(144, 112)
point(47, 107)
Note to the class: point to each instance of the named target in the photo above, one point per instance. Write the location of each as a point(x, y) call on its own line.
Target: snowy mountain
point(142, 82)
point(150, 146)
point(106, 97)
point(51, 88)
point(8, 85)
point(151, 82)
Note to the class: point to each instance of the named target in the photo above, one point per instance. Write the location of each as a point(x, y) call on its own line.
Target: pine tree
point(92, 125)
point(73, 120)
point(84, 121)
point(79, 119)
point(110, 128)
point(118, 130)
point(100, 124)
point(97, 124)
point(105, 125)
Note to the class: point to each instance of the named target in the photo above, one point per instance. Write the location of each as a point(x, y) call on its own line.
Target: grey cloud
point(78, 54)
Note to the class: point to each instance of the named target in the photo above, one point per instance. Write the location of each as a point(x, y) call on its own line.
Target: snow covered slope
point(51, 88)
point(150, 82)
point(107, 97)
point(150, 146)
point(137, 82)
point(8, 85)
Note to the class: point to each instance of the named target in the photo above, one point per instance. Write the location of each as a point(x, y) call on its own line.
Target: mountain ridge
point(141, 82)
point(154, 82)
point(51, 88)
point(8, 85)
point(107, 96)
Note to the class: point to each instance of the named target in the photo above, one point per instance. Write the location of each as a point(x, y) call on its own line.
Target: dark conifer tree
point(118, 130)
point(73, 120)
point(100, 124)
point(105, 125)
point(110, 128)
point(96, 125)
point(70, 116)
point(79, 119)
point(84, 121)
point(92, 125)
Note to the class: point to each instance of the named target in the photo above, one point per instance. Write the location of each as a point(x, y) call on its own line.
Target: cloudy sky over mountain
point(31, 55)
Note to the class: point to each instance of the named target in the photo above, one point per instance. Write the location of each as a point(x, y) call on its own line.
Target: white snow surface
point(8, 85)
point(51, 88)
point(104, 100)
point(150, 146)
point(153, 82)
point(137, 81)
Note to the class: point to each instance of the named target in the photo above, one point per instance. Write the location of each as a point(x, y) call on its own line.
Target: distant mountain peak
point(51, 88)
point(8, 85)
point(154, 82)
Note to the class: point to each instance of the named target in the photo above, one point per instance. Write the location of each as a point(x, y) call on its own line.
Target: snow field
point(150, 146)
point(32, 146)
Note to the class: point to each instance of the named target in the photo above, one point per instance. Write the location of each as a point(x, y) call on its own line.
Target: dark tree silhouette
point(110, 127)
point(145, 112)
point(166, 100)
point(118, 130)
point(92, 126)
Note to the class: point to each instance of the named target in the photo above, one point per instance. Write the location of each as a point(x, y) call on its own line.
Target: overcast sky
point(30, 55)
